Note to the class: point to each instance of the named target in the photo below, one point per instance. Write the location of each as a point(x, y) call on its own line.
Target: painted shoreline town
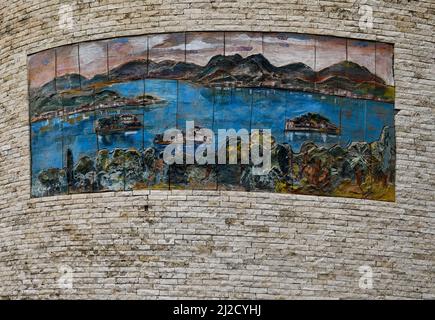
point(98, 111)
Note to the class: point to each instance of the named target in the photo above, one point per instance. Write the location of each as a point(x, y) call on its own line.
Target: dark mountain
point(344, 78)
point(298, 71)
point(218, 66)
point(66, 82)
point(133, 70)
point(254, 70)
point(46, 90)
point(349, 70)
point(260, 62)
point(39, 97)
point(169, 69)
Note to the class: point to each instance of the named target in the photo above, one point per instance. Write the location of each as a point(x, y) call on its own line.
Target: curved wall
point(228, 244)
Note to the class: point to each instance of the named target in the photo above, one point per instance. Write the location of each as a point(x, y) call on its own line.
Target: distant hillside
point(349, 70)
point(169, 69)
point(133, 70)
point(345, 78)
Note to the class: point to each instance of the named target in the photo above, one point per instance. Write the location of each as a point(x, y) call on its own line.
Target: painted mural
point(99, 110)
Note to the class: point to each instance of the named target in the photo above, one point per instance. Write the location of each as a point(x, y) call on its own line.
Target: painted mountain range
point(344, 79)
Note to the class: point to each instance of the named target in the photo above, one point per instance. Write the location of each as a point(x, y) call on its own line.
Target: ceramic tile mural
point(100, 112)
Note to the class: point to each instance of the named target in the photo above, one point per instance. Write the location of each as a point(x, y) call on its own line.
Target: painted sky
point(384, 62)
point(243, 43)
point(285, 48)
point(93, 58)
point(42, 68)
point(329, 51)
point(202, 46)
point(67, 60)
point(123, 50)
point(362, 53)
point(170, 46)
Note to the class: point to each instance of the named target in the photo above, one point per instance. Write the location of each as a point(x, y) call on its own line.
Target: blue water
point(212, 108)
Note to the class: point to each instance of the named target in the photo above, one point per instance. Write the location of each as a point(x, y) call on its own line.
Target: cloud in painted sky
point(202, 46)
point(169, 46)
point(285, 48)
point(123, 50)
point(245, 44)
point(93, 58)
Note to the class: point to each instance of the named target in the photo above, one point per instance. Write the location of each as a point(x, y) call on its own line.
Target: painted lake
point(213, 108)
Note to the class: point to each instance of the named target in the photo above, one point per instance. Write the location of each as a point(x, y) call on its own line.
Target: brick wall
point(197, 244)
